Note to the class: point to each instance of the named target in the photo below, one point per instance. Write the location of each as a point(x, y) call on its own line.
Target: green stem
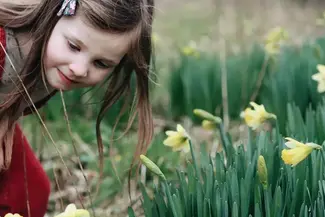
point(226, 145)
point(323, 159)
point(194, 160)
point(169, 196)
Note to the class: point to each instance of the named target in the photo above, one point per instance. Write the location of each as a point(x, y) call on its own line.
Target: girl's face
point(78, 55)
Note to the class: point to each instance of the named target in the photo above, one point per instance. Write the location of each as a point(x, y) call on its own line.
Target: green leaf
point(277, 202)
point(234, 210)
point(131, 212)
point(257, 211)
point(199, 195)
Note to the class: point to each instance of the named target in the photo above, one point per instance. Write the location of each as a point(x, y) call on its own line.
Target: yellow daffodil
point(191, 50)
point(297, 151)
point(210, 121)
point(320, 78)
point(277, 34)
point(178, 140)
point(274, 39)
point(152, 166)
point(72, 211)
point(272, 48)
point(255, 118)
point(12, 215)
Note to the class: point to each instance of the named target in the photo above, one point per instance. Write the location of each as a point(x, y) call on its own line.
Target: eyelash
point(97, 63)
point(101, 65)
point(73, 47)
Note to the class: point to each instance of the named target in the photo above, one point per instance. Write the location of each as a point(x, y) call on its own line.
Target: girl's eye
point(101, 65)
point(73, 47)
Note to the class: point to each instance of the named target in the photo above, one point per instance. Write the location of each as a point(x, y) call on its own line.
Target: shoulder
point(11, 58)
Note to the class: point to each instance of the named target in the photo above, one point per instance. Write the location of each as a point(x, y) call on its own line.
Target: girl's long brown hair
point(118, 16)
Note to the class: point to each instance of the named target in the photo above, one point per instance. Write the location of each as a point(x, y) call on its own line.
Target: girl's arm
point(3, 46)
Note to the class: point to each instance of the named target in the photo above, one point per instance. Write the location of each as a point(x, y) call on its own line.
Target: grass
point(209, 23)
point(223, 26)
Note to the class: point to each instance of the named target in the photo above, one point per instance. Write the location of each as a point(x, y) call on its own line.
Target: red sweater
point(14, 182)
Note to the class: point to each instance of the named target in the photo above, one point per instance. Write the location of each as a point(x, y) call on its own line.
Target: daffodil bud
point(206, 115)
point(209, 125)
point(262, 171)
point(152, 166)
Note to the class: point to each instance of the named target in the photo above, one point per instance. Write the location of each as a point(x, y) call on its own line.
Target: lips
point(65, 79)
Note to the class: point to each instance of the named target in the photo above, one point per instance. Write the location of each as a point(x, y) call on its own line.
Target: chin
point(57, 86)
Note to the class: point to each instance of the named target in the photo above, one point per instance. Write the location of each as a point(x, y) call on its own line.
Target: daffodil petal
point(290, 144)
point(181, 145)
point(254, 105)
point(171, 133)
point(82, 213)
point(300, 154)
point(186, 149)
point(295, 155)
point(184, 146)
point(316, 77)
point(321, 87)
point(173, 140)
point(261, 109)
point(295, 142)
point(251, 118)
point(321, 68)
point(180, 128)
point(70, 208)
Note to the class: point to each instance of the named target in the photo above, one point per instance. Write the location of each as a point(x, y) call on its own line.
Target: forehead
point(95, 40)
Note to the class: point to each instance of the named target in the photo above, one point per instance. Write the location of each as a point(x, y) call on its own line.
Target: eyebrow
point(109, 61)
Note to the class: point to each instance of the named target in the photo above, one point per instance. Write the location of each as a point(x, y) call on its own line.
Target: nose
point(79, 69)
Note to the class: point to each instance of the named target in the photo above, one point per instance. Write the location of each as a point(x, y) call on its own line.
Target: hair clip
point(68, 8)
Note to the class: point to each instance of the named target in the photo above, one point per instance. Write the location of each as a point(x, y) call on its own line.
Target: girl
point(54, 45)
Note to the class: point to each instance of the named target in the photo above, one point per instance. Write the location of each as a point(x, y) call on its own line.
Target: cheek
point(98, 76)
point(54, 53)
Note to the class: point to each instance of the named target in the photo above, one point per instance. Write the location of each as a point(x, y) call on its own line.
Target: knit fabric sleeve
point(2, 50)
point(24, 185)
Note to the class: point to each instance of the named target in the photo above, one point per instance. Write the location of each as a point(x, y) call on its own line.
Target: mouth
point(65, 79)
